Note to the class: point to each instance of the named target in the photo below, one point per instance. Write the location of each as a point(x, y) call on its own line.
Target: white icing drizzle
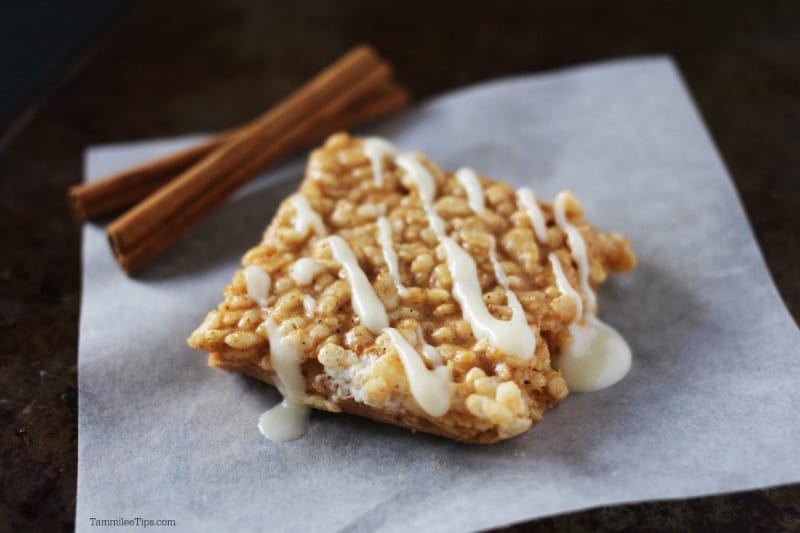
point(287, 420)
point(432, 389)
point(365, 303)
point(598, 355)
point(514, 336)
point(419, 176)
point(577, 248)
point(469, 180)
point(564, 286)
point(304, 270)
point(305, 218)
point(309, 304)
point(389, 255)
point(527, 199)
point(376, 149)
point(258, 284)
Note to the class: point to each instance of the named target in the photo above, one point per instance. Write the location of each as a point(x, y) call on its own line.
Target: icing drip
point(305, 218)
point(376, 149)
point(258, 284)
point(514, 336)
point(527, 200)
point(432, 389)
point(365, 303)
point(289, 419)
point(389, 255)
point(577, 248)
point(304, 270)
point(598, 356)
point(469, 180)
point(284, 422)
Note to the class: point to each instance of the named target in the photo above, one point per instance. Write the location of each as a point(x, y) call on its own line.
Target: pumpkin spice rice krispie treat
point(437, 301)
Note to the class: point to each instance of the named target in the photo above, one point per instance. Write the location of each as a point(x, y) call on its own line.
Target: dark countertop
point(166, 68)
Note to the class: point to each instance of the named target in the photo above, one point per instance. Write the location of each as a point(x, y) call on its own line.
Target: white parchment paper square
point(711, 404)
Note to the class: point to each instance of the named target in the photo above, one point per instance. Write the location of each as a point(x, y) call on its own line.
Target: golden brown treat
point(346, 367)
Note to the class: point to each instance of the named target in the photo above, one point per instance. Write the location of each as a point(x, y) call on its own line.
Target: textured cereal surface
point(347, 368)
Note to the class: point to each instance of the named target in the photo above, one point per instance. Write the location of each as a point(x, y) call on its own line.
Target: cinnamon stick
point(151, 226)
point(122, 190)
point(132, 260)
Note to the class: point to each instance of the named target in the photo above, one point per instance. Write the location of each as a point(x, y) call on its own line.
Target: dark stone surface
point(37, 37)
point(166, 68)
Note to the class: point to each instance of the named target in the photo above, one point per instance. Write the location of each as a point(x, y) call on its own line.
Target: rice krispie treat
point(437, 301)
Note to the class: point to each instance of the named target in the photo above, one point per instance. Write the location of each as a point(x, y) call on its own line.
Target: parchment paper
point(711, 404)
